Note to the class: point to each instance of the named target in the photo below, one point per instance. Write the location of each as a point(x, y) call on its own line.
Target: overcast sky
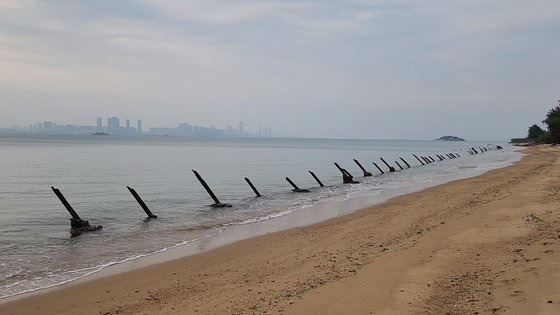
point(340, 69)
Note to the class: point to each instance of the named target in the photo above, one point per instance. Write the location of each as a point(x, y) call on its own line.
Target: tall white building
point(113, 125)
point(99, 124)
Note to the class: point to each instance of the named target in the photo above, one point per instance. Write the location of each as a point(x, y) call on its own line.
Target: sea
point(37, 250)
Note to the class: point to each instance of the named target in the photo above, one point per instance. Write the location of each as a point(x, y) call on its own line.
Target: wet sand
point(486, 245)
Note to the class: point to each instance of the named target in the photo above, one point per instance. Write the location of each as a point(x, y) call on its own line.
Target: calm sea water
point(36, 249)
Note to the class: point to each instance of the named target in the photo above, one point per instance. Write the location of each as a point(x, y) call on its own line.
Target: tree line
point(552, 135)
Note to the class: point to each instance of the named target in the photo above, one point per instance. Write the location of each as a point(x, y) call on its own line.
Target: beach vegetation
point(535, 132)
point(553, 122)
point(544, 138)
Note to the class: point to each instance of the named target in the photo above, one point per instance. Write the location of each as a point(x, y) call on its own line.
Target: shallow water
point(36, 249)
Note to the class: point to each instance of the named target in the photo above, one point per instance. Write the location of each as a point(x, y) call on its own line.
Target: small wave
point(270, 216)
point(201, 227)
point(7, 286)
point(92, 270)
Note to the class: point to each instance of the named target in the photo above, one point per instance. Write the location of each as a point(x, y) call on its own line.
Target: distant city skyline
point(113, 127)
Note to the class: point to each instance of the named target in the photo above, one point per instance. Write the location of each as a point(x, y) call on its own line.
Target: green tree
point(553, 122)
point(535, 131)
point(545, 138)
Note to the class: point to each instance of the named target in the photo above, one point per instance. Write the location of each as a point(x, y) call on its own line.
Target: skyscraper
point(127, 124)
point(48, 125)
point(184, 129)
point(240, 129)
point(113, 125)
point(139, 126)
point(99, 124)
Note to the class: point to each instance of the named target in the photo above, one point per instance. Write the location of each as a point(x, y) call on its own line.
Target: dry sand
point(485, 245)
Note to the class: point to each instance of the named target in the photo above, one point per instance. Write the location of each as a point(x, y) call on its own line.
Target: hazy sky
point(342, 69)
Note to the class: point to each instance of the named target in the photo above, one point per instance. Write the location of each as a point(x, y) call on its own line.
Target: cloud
point(29, 77)
point(503, 15)
point(216, 61)
point(212, 11)
point(312, 16)
point(40, 51)
point(13, 4)
point(150, 40)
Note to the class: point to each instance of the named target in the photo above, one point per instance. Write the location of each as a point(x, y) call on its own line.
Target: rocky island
point(450, 138)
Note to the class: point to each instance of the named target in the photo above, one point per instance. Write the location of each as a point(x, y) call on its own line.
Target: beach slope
point(486, 245)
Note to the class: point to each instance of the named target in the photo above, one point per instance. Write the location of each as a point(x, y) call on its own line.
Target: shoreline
point(280, 270)
point(322, 211)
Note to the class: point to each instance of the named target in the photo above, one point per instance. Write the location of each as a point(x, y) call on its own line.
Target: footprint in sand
point(508, 281)
point(532, 269)
point(517, 293)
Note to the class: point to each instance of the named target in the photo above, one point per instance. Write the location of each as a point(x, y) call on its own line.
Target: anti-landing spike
point(217, 203)
point(77, 225)
point(347, 178)
point(296, 188)
point(391, 169)
point(366, 173)
point(141, 202)
point(399, 165)
point(418, 159)
point(316, 179)
point(252, 187)
point(405, 162)
point(379, 168)
point(66, 204)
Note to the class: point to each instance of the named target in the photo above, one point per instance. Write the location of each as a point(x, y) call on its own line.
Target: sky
point(387, 69)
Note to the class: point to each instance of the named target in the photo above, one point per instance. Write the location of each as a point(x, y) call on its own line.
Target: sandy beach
point(484, 245)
